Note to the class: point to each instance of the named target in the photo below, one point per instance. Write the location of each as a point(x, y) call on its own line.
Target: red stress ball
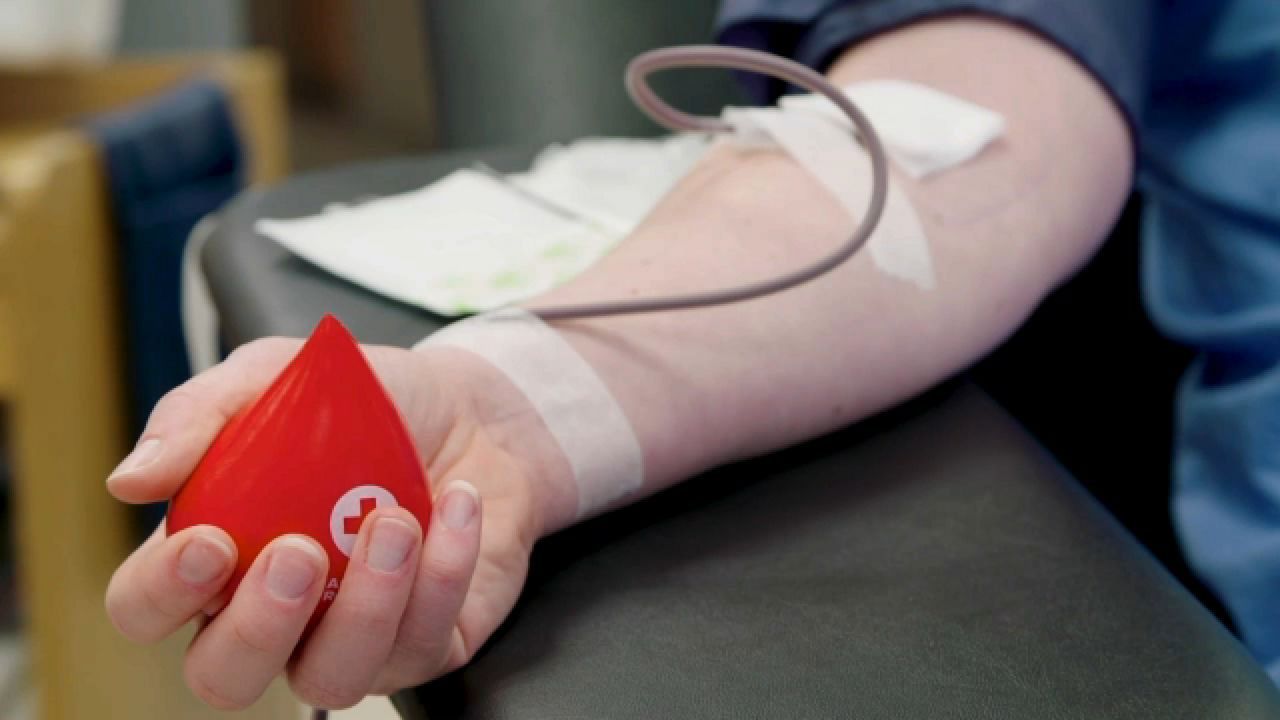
point(322, 448)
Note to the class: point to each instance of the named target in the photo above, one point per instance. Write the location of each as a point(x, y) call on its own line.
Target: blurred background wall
point(357, 76)
point(150, 26)
point(357, 71)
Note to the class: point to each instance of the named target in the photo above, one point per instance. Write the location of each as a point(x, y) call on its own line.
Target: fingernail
point(203, 559)
point(143, 455)
point(390, 544)
point(294, 566)
point(458, 508)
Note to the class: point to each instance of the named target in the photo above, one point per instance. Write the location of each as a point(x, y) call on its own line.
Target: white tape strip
point(572, 400)
point(898, 246)
point(924, 132)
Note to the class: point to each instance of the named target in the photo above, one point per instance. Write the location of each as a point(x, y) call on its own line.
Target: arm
point(699, 387)
point(708, 386)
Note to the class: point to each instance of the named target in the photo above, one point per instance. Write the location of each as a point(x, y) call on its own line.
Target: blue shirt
point(1199, 81)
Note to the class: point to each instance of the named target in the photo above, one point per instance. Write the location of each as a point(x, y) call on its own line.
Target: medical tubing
point(711, 56)
point(726, 58)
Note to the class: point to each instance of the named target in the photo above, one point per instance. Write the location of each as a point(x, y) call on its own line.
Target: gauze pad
point(924, 130)
point(573, 402)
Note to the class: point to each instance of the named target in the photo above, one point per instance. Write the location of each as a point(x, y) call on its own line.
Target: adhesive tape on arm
point(575, 405)
point(925, 132)
point(899, 246)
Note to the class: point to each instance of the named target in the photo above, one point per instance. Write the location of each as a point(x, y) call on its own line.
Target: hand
point(410, 608)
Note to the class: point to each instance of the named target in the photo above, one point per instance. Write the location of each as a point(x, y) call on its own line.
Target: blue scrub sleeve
point(1110, 38)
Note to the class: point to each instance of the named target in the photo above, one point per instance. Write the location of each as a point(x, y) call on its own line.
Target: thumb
point(188, 418)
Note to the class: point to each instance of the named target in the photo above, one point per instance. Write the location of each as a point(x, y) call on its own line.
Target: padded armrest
point(934, 563)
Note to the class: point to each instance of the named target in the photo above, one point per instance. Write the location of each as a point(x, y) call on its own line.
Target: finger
point(167, 581)
point(186, 420)
point(342, 658)
point(448, 560)
point(230, 664)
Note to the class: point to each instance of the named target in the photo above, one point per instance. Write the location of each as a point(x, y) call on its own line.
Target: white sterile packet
point(464, 244)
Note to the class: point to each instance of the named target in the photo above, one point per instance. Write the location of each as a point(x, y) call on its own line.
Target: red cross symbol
point(351, 523)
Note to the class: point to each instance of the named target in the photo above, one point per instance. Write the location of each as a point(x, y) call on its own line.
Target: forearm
point(703, 387)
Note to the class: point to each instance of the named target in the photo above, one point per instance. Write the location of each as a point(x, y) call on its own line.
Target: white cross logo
point(350, 511)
